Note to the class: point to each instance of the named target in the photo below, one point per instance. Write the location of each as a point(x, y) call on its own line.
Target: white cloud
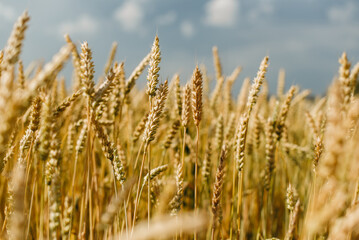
point(7, 12)
point(166, 19)
point(130, 15)
point(221, 13)
point(85, 24)
point(187, 29)
point(342, 14)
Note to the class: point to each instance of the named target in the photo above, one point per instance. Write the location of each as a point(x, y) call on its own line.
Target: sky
point(305, 37)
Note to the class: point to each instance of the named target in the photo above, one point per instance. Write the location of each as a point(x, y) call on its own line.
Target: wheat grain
point(131, 81)
point(219, 132)
point(87, 70)
point(155, 114)
point(186, 109)
point(14, 44)
point(171, 134)
point(283, 113)
point(217, 189)
point(217, 63)
point(197, 90)
point(155, 59)
point(111, 57)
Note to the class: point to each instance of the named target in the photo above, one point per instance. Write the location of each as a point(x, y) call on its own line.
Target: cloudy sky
point(306, 37)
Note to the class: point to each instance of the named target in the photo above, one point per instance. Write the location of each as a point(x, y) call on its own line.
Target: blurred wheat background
point(89, 152)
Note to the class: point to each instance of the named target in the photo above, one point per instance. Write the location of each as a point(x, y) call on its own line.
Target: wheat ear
point(217, 63)
point(218, 188)
point(14, 44)
point(153, 76)
point(111, 57)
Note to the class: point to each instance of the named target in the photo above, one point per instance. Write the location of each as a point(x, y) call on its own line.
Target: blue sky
point(305, 37)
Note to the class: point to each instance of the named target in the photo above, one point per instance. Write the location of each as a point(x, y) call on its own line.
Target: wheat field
point(103, 159)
